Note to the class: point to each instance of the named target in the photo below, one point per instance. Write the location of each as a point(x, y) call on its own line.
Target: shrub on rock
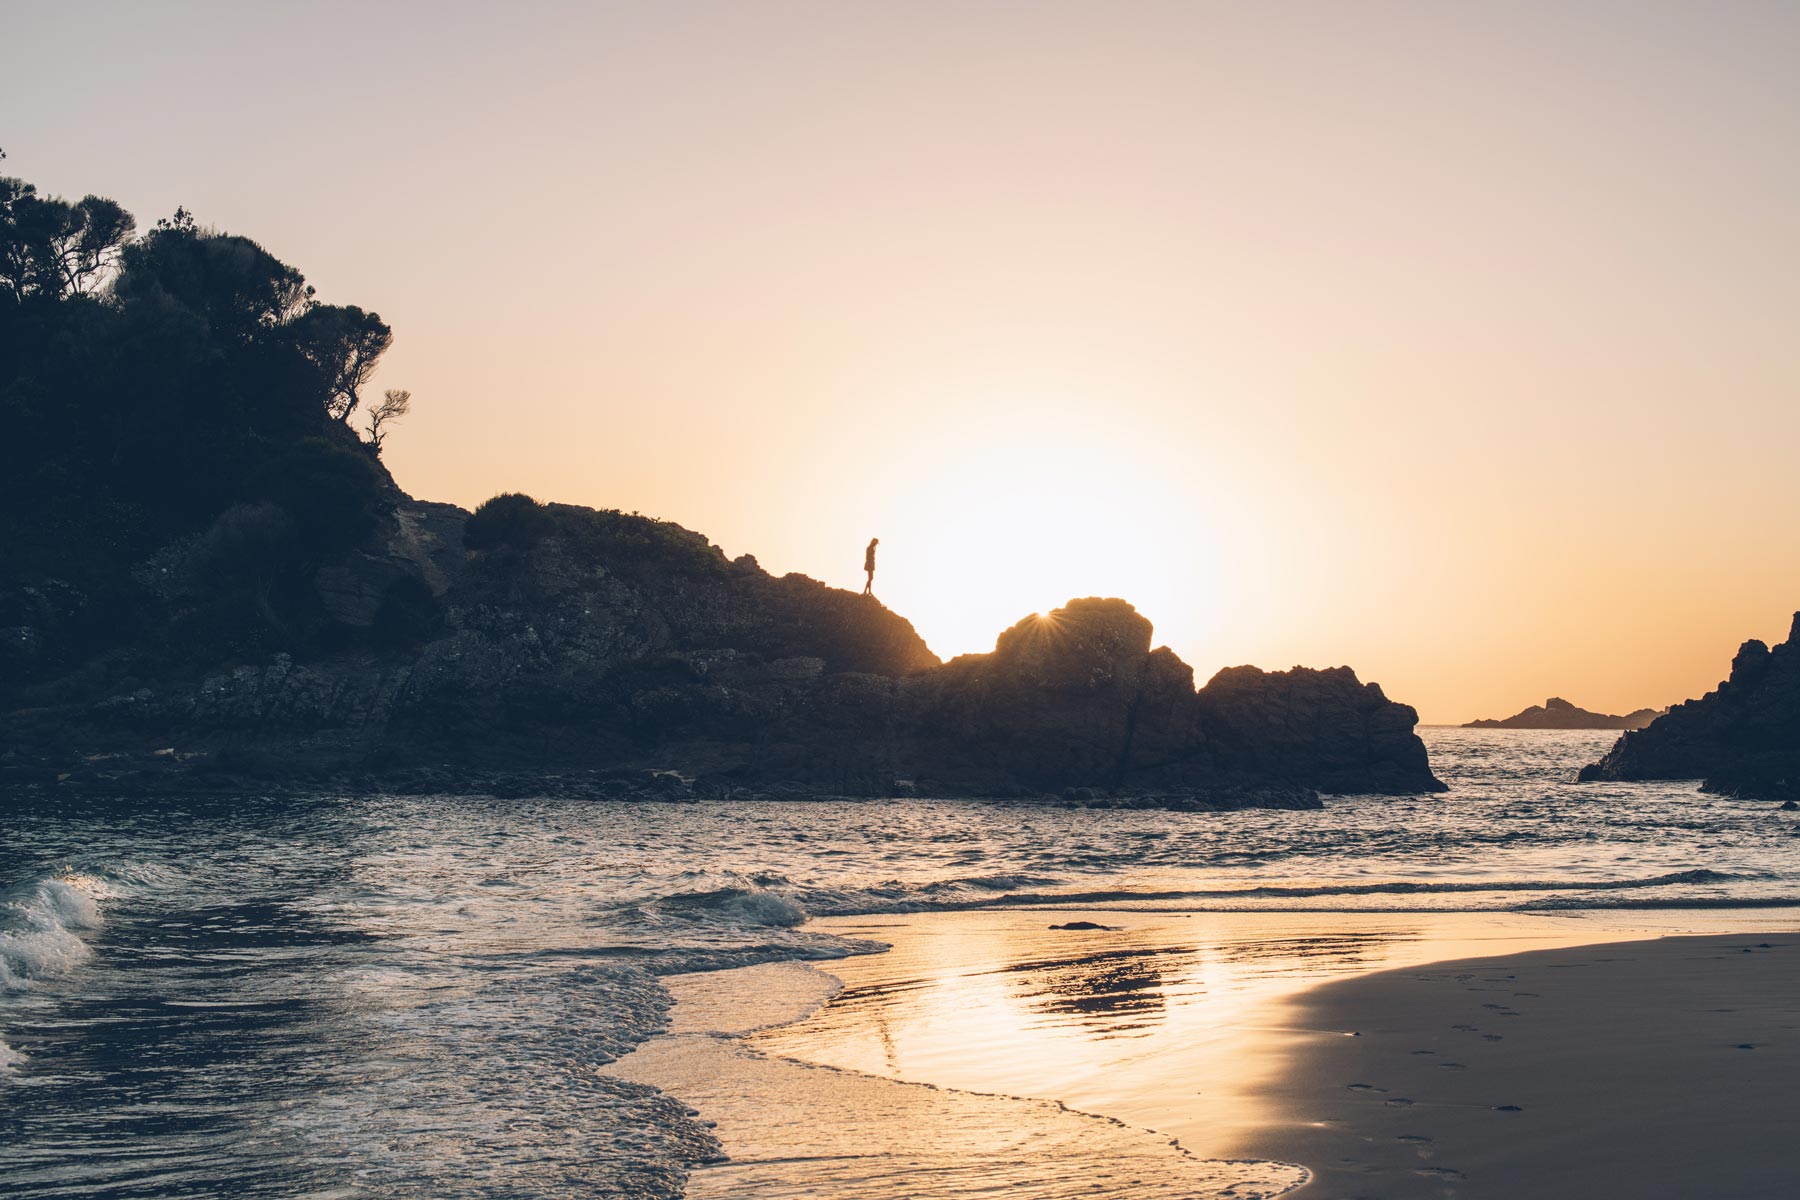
point(509, 521)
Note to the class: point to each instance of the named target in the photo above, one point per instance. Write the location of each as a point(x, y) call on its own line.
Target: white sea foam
point(41, 928)
point(760, 907)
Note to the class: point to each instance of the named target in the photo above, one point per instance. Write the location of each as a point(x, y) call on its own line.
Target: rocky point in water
point(210, 580)
point(1742, 739)
point(1557, 713)
point(608, 654)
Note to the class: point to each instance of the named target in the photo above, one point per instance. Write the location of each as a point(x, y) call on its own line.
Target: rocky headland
point(1743, 738)
point(1557, 713)
point(209, 580)
point(609, 654)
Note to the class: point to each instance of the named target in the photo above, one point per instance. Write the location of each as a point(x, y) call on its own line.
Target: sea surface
point(418, 996)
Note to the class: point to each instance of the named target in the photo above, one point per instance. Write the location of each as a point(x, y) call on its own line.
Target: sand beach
point(1251, 1055)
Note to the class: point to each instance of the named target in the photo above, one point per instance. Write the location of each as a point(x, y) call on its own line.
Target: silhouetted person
point(869, 566)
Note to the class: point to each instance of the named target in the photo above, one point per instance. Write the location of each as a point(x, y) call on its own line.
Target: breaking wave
point(43, 924)
point(896, 897)
point(744, 906)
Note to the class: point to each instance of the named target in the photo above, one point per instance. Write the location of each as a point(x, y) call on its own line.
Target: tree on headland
point(395, 403)
point(344, 344)
point(57, 248)
point(179, 385)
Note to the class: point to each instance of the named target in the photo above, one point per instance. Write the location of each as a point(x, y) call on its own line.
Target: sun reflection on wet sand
point(1169, 1021)
point(1115, 993)
point(794, 1129)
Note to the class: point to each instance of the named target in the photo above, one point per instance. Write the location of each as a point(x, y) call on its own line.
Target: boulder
point(1322, 728)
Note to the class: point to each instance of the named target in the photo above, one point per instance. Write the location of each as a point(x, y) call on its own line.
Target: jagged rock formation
point(622, 646)
point(1321, 726)
point(1742, 738)
point(1078, 694)
point(1557, 713)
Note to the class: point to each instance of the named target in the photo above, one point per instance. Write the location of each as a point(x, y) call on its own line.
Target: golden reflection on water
point(1169, 1021)
point(1113, 993)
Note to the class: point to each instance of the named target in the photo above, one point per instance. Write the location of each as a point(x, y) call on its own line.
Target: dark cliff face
point(1557, 713)
point(1743, 737)
point(612, 640)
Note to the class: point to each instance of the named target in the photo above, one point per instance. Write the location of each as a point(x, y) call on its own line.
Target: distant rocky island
point(1743, 738)
point(1557, 713)
point(212, 582)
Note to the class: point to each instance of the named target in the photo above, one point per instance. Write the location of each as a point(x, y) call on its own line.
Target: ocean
point(419, 996)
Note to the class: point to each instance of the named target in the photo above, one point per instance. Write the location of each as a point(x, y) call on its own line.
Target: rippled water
point(406, 996)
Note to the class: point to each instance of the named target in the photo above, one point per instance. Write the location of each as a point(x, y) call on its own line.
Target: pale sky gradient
point(1459, 343)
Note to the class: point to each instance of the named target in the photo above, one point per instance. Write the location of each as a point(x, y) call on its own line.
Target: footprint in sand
point(1507, 1108)
point(1399, 1102)
point(1745, 1046)
point(1440, 1173)
point(1424, 1051)
point(1363, 1087)
point(1528, 995)
point(1450, 1066)
point(1492, 1037)
point(1414, 1138)
point(1464, 1028)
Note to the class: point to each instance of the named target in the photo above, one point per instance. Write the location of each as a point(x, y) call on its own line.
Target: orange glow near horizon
point(995, 532)
point(1452, 343)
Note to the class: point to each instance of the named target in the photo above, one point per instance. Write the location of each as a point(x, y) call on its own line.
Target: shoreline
point(166, 774)
point(981, 1034)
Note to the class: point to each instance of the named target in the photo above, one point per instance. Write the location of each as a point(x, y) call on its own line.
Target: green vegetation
point(182, 386)
point(514, 523)
point(509, 521)
point(624, 540)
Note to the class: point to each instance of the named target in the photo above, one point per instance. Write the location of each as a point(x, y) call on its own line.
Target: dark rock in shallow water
point(1742, 739)
point(1557, 713)
point(1319, 728)
point(1078, 925)
point(615, 647)
point(1077, 699)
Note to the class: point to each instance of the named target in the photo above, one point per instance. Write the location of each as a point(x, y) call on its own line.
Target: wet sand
point(1204, 1054)
point(792, 1129)
point(1650, 1069)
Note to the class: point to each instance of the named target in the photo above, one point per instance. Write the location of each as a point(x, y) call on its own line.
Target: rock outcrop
point(1077, 695)
point(1742, 738)
point(614, 651)
point(1323, 727)
point(1557, 713)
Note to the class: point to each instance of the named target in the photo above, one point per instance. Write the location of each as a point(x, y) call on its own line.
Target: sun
point(997, 533)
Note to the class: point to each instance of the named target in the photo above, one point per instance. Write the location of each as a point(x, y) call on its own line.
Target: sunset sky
point(1457, 343)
